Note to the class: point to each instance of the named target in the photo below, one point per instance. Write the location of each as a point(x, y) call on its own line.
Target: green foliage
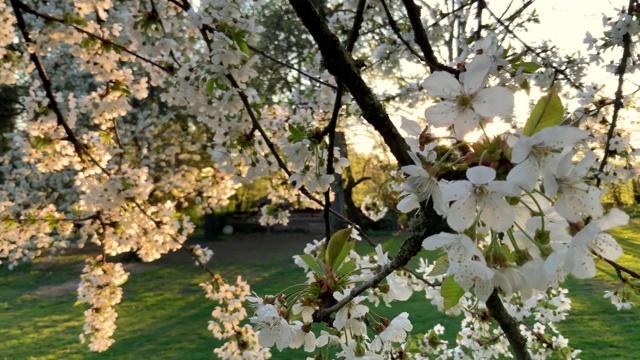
point(528, 67)
point(297, 132)
point(620, 194)
point(163, 302)
point(451, 292)
point(547, 112)
point(441, 266)
point(338, 248)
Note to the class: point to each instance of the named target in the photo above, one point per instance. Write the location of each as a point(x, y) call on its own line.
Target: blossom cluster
point(241, 340)
point(101, 288)
point(525, 206)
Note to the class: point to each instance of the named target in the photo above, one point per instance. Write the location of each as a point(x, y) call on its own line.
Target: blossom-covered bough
point(134, 111)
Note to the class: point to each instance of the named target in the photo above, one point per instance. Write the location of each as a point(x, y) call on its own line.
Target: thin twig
point(619, 96)
point(619, 268)
point(291, 67)
point(48, 17)
point(46, 82)
point(562, 72)
point(396, 30)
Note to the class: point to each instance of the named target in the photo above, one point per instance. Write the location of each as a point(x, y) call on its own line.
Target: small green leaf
point(441, 266)
point(524, 85)
point(547, 112)
point(346, 249)
point(78, 303)
point(210, 86)
point(528, 67)
point(451, 292)
point(346, 267)
point(242, 44)
point(86, 43)
point(313, 264)
point(298, 133)
point(336, 245)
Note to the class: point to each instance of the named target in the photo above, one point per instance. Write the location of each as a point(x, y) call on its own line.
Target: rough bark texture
point(340, 64)
point(509, 326)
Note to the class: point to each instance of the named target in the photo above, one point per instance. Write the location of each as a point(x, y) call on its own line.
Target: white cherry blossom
point(575, 196)
point(481, 193)
point(538, 154)
point(351, 315)
point(466, 101)
point(395, 332)
point(592, 237)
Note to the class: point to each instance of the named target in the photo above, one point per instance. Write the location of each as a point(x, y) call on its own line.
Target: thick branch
point(337, 105)
point(509, 326)
point(340, 64)
point(420, 35)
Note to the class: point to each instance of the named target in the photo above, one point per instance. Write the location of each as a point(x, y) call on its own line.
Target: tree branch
point(619, 96)
point(426, 222)
point(509, 325)
point(420, 35)
point(340, 64)
point(48, 17)
point(619, 268)
point(396, 30)
point(311, 77)
point(508, 29)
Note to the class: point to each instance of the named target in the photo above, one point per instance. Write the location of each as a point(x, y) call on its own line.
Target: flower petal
point(495, 101)
point(475, 76)
point(583, 265)
point(456, 190)
point(465, 121)
point(411, 127)
point(443, 85)
point(443, 113)
point(439, 240)
point(561, 136)
point(524, 175)
point(479, 175)
point(462, 213)
point(607, 247)
point(522, 148)
point(614, 218)
point(497, 213)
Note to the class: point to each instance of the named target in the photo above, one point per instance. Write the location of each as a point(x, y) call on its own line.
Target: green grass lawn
point(164, 313)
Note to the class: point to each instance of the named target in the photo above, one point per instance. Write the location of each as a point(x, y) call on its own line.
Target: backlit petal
point(456, 190)
point(481, 175)
point(466, 120)
point(462, 213)
point(607, 247)
point(443, 85)
point(475, 76)
point(495, 101)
